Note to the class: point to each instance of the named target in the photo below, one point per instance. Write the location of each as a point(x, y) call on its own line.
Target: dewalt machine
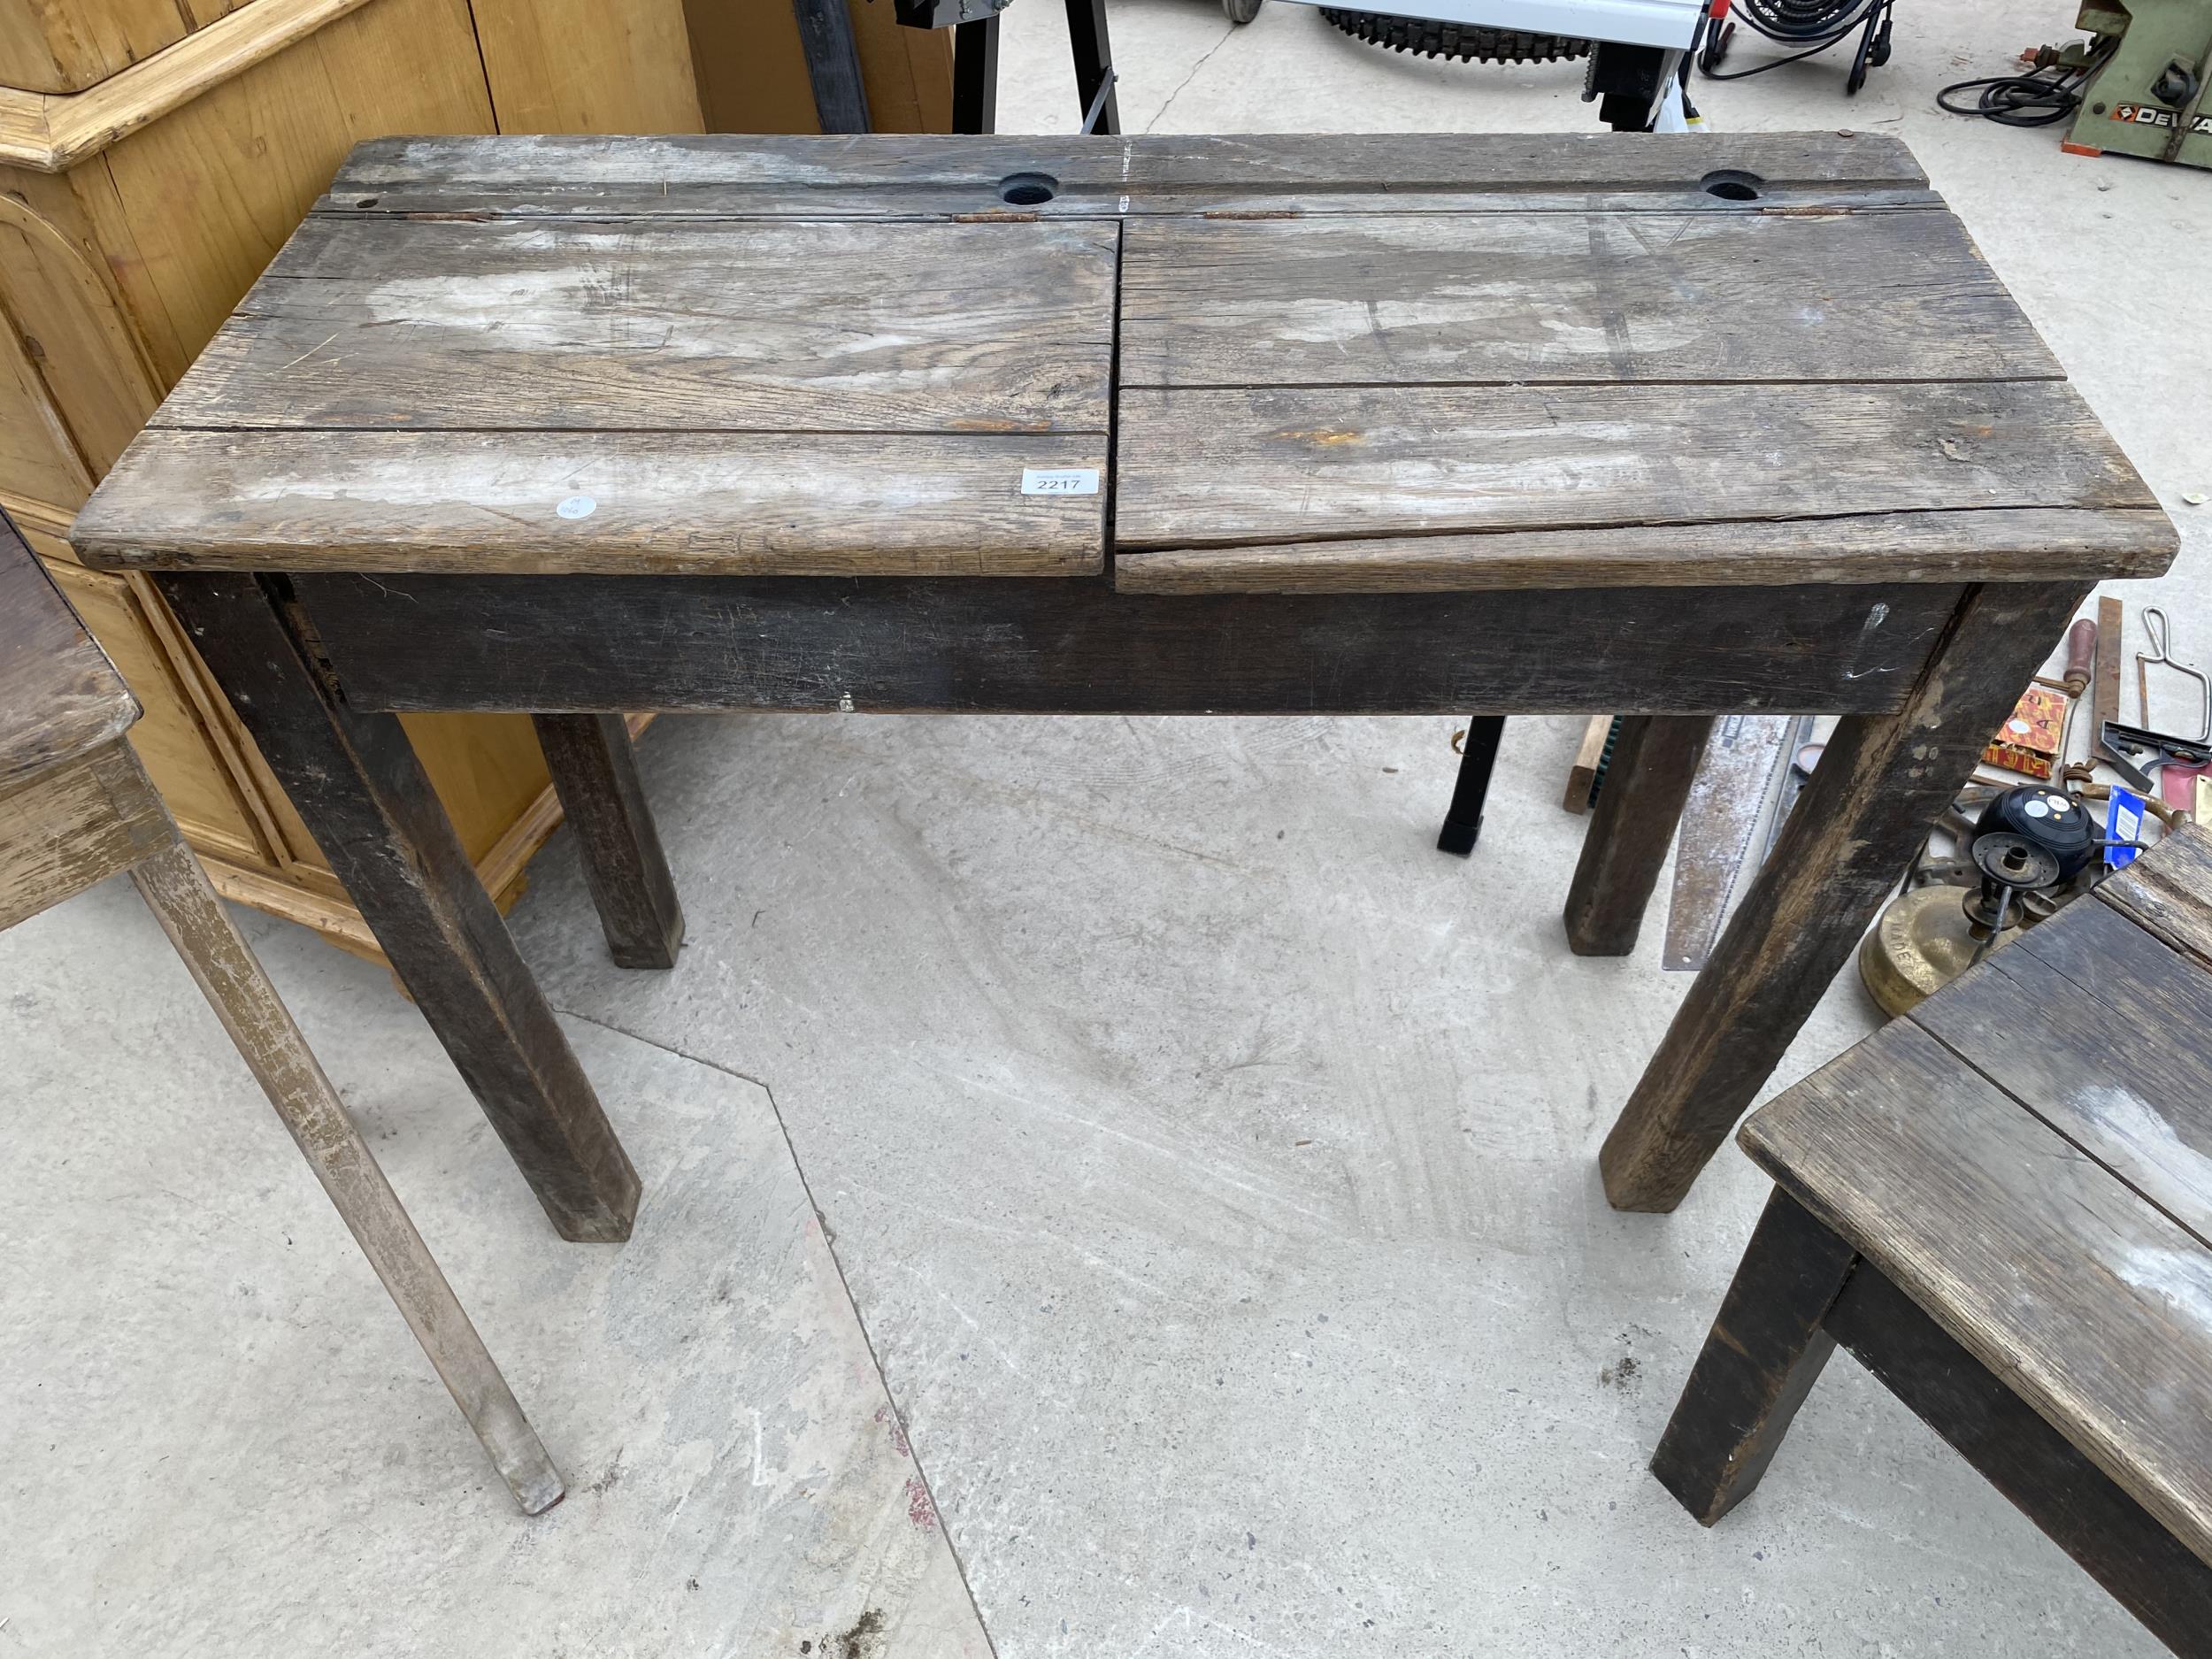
point(2144, 73)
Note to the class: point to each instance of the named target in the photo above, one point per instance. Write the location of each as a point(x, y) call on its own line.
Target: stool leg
point(176, 888)
point(1654, 761)
point(1765, 1353)
point(594, 773)
point(1462, 820)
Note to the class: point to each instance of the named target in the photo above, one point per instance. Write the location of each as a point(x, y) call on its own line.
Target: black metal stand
point(1093, 66)
point(833, 64)
point(1463, 822)
point(975, 76)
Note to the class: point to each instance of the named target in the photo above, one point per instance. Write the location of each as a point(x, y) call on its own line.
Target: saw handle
point(2081, 647)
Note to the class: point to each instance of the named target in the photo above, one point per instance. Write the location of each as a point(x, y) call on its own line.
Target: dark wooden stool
point(2001, 1204)
point(75, 807)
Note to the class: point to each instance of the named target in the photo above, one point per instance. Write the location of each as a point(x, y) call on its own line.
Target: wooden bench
point(2001, 1204)
point(76, 808)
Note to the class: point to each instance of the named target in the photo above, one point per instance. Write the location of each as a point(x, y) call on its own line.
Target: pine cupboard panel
point(213, 189)
point(637, 79)
point(752, 74)
point(67, 45)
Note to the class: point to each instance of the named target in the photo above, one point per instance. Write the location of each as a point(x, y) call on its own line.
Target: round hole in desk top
point(1732, 184)
point(1027, 189)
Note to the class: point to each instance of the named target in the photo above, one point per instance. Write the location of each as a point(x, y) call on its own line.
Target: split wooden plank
point(633, 502)
point(2031, 543)
point(2093, 1304)
point(800, 327)
point(1213, 468)
point(1507, 298)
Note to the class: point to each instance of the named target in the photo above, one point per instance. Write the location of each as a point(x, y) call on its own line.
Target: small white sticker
point(1059, 481)
point(576, 507)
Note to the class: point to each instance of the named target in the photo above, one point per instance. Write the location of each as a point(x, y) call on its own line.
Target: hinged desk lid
point(641, 392)
point(1701, 389)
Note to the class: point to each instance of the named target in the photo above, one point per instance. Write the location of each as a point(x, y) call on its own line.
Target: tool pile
point(2008, 855)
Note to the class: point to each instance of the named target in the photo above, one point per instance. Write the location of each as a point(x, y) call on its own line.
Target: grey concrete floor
point(1209, 1160)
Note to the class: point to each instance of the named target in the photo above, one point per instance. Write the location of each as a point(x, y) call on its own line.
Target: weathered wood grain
point(2074, 1502)
point(2170, 894)
point(2020, 544)
point(2121, 1064)
point(1076, 647)
point(1655, 762)
point(59, 696)
point(1880, 783)
point(176, 890)
point(786, 328)
point(1492, 299)
point(594, 768)
point(659, 502)
point(363, 796)
point(61, 830)
point(1193, 166)
point(2094, 1306)
point(1220, 468)
point(1766, 1350)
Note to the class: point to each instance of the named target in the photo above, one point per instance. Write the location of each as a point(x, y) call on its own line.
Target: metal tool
point(2146, 71)
point(1739, 780)
point(2135, 752)
point(1804, 755)
point(2159, 632)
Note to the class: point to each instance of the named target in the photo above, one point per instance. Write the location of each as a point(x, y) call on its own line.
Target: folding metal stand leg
point(975, 76)
point(1093, 64)
point(833, 64)
point(1463, 822)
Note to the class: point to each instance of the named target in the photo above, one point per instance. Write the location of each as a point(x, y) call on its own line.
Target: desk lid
point(651, 395)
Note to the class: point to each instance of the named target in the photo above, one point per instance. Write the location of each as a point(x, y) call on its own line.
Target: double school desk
point(1672, 426)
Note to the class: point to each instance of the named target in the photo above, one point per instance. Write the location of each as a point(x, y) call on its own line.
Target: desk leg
point(1646, 784)
point(356, 784)
point(1765, 1353)
point(176, 890)
point(1881, 782)
point(1479, 757)
point(594, 770)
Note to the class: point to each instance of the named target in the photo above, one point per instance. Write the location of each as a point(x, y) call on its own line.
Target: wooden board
point(1345, 365)
point(806, 399)
point(2045, 1200)
point(716, 327)
point(1201, 468)
point(883, 643)
point(2168, 894)
point(1507, 298)
point(60, 697)
point(2121, 1061)
point(888, 175)
point(662, 503)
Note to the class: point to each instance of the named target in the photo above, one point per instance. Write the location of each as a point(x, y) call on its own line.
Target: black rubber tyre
point(1461, 40)
point(1241, 11)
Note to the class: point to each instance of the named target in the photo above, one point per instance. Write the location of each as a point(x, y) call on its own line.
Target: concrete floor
point(1209, 1160)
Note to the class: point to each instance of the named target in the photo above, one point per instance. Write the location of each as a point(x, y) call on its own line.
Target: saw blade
point(1734, 784)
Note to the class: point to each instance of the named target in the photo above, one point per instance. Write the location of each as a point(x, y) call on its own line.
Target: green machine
point(2146, 70)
